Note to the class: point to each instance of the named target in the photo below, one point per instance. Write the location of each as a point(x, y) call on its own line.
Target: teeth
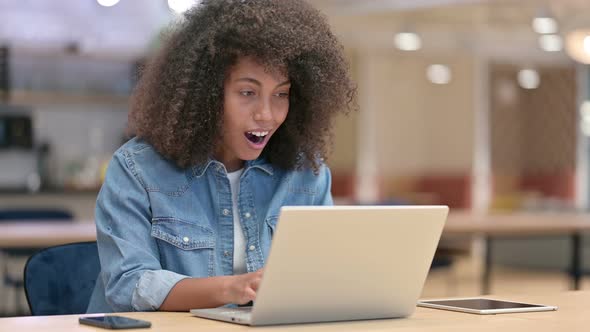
point(258, 133)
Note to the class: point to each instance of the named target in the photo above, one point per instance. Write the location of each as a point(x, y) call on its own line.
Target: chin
point(250, 156)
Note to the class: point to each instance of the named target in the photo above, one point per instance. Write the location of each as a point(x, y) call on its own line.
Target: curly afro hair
point(177, 104)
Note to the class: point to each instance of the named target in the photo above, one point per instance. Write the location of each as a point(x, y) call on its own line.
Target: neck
point(233, 166)
point(230, 162)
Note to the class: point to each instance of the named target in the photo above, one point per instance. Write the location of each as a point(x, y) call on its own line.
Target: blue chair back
point(34, 214)
point(60, 280)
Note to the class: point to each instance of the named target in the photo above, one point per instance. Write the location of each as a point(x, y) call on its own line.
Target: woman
point(232, 121)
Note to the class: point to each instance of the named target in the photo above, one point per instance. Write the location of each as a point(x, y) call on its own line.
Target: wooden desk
point(571, 316)
point(522, 224)
point(42, 234)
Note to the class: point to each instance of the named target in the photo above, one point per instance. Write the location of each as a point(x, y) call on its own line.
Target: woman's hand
point(242, 288)
point(212, 292)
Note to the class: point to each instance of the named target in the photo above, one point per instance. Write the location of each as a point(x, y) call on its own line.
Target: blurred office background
point(480, 105)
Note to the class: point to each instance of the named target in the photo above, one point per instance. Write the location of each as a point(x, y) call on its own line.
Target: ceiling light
point(407, 41)
point(180, 6)
point(107, 3)
point(587, 44)
point(577, 44)
point(585, 118)
point(544, 25)
point(438, 74)
point(528, 79)
point(506, 92)
point(551, 43)
point(585, 111)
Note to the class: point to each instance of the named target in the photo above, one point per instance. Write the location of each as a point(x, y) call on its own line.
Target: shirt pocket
point(185, 247)
point(182, 234)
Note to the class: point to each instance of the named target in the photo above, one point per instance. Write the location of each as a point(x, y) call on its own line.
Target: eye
point(282, 95)
point(247, 93)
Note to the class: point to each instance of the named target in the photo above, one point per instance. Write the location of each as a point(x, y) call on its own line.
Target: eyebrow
point(255, 81)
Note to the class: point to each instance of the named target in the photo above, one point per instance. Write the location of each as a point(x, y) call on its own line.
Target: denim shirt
point(158, 224)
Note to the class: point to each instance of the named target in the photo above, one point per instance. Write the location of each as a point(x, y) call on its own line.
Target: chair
point(35, 214)
point(441, 260)
point(59, 280)
point(28, 215)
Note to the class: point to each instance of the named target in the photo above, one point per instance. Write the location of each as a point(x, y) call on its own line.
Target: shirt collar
point(260, 163)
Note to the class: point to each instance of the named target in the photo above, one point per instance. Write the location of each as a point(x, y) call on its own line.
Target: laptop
point(341, 263)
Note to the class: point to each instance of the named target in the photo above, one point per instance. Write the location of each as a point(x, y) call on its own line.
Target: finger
point(255, 283)
point(250, 295)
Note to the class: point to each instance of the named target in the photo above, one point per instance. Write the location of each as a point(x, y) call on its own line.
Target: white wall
point(418, 127)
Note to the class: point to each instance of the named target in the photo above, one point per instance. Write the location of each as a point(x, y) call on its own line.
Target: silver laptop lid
point(331, 263)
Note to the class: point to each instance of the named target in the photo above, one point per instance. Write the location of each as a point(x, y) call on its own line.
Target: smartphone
point(115, 322)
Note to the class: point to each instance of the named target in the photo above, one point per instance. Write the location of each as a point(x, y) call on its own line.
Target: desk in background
point(40, 234)
point(528, 224)
point(571, 316)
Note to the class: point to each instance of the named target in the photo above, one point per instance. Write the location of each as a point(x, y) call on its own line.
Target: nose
point(264, 112)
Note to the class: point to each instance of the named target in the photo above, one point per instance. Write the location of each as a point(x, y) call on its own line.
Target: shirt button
point(185, 239)
point(247, 215)
point(225, 212)
point(252, 248)
point(226, 253)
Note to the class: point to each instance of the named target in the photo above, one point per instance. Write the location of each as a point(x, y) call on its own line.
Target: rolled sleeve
point(153, 288)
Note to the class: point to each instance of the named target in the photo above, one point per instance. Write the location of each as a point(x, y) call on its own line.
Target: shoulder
point(138, 152)
point(137, 148)
point(308, 176)
point(149, 167)
point(312, 183)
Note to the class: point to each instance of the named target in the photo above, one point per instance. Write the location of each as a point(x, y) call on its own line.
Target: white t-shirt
point(239, 240)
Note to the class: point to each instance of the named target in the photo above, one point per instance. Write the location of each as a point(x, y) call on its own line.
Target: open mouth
point(256, 137)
